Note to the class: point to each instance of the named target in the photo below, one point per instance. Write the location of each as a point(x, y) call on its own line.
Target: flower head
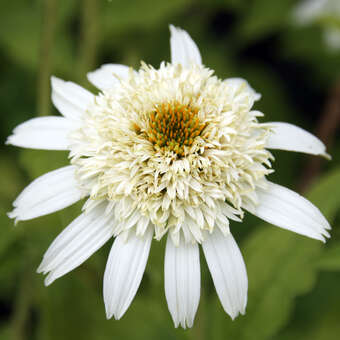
point(171, 151)
point(172, 146)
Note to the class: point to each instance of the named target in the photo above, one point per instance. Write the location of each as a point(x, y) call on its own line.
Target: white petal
point(332, 37)
point(228, 271)
point(239, 85)
point(108, 75)
point(77, 242)
point(183, 49)
point(69, 98)
point(292, 138)
point(182, 281)
point(309, 10)
point(289, 210)
point(124, 271)
point(51, 192)
point(47, 133)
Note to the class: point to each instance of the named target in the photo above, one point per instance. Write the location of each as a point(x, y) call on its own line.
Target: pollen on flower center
point(173, 126)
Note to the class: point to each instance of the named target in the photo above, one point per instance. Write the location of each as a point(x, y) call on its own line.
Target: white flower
point(324, 12)
point(174, 151)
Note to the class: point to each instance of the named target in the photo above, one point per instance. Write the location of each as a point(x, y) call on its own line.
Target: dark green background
point(293, 281)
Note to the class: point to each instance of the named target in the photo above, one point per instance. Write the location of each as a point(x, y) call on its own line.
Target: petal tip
point(49, 280)
point(108, 314)
point(41, 268)
point(233, 316)
point(55, 80)
point(9, 140)
point(14, 216)
point(176, 323)
point(190, 323)
point(118, 315)
point(183, 324)
point(326, 156)
point(172, 28)
point(326, 234)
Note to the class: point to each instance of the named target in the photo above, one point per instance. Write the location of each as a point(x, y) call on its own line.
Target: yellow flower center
point(173, 126)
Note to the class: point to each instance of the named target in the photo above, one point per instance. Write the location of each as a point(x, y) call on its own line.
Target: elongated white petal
point(228, 271)
point(77, 242)
point(46, 133)
point(124, 271)
point(51, 192)
point(182, 281)
point(289, 210)
point(292, 138)
point(183, 49)
point(108, 75)
point(70, 99)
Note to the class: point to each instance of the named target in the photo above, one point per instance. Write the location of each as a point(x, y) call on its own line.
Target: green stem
point(89, 39)
point(326, 130)
point(47, 37)
point(25, 295)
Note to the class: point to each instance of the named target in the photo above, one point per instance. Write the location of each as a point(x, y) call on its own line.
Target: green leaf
point(330, 259)
point(264, 17)
point(11, 180)
point(118, 16)
point(326, 195)
point(21, 41)
point(281, 266)
point(316, 315)
point(38, 162)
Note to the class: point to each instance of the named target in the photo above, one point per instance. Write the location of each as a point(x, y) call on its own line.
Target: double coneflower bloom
point(173, 152)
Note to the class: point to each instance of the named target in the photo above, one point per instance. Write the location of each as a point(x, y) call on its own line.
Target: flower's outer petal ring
point(285, 136)
point(182, 281)
point(108, 75)
point(46, 133)
point(70, 99)
point(48, 193)
point(77, 242)
point(228, 271)
point(124, 271)
point(289, 210)
point(183, 49)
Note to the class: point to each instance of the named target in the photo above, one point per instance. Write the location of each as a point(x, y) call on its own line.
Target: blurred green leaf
point(330, 259)
point(281, 265)
point(11, 179)
point(38, 162)
point(7, 236)
point(326, 194)
point(264, 17)
point(315, 316)
point(121, 15)
point(21, 41)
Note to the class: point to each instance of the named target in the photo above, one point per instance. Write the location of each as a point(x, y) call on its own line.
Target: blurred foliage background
point(293, 281)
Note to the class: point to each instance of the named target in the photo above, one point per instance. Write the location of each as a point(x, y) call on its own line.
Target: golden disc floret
point(173, 126)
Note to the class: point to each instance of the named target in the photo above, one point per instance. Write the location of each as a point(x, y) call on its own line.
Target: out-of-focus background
point(290, 53)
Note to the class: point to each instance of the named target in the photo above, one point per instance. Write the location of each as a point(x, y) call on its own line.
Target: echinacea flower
point(172, 151)
point(326, 13)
